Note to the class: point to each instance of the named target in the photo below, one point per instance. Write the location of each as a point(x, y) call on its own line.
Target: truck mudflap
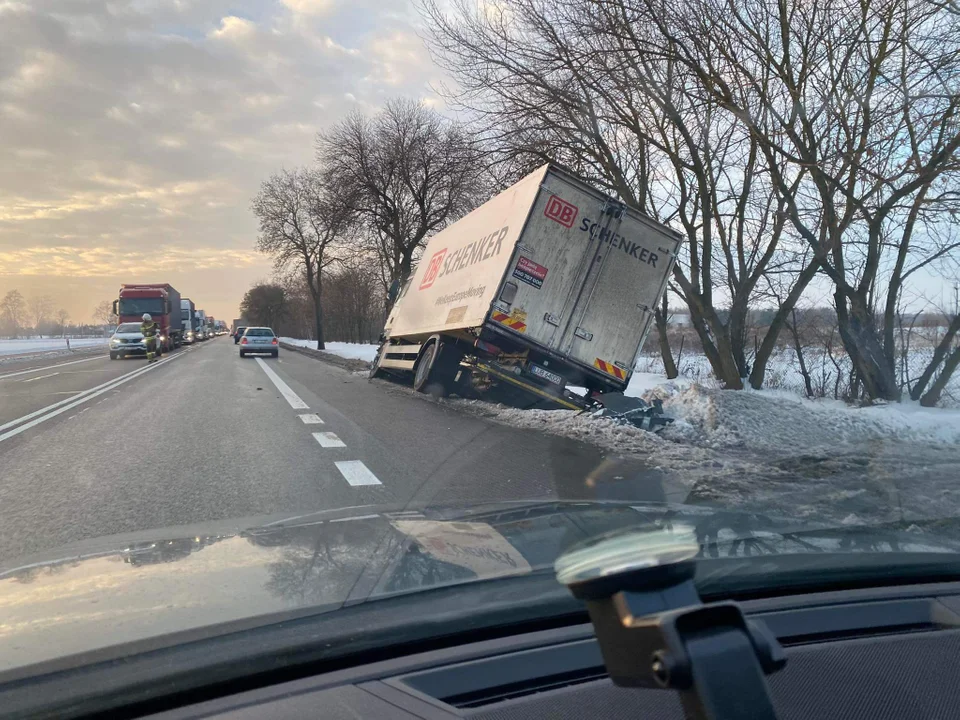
point(631, 411)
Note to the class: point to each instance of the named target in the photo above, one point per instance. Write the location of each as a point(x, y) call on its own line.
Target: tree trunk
point(318, 318)
point(798, 348)
point(660, 317)
point(938, 354)
point(932, 396)
point(769, 342)
point(858, 333)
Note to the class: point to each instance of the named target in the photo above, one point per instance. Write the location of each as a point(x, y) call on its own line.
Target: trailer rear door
point(588, 273)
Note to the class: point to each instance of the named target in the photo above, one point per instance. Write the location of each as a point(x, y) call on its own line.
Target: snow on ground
point(769, 451)
point(39, 345)
point(778, 453)
point(352, 351)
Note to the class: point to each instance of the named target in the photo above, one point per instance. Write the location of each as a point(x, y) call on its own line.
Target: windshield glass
point(139, 306)
point(461, 286)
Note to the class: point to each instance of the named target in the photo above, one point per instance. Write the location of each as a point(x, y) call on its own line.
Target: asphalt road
point(91, 447)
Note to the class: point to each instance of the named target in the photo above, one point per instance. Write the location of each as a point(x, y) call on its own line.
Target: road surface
point(91, 447)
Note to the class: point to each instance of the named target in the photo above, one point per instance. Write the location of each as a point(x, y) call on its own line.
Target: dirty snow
point(351, 351)
point(40, 345)
point(778, 453)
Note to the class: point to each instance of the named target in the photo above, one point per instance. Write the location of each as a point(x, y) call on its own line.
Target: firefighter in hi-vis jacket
point(151, 333)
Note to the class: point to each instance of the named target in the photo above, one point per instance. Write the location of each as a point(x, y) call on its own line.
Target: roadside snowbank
point(351, 351)
point(38, 345)
point(780, 421)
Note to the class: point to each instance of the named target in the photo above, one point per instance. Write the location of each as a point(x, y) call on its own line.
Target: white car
point(128, 340)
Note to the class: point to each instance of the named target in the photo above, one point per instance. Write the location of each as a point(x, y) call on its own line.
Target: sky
point(134, 133)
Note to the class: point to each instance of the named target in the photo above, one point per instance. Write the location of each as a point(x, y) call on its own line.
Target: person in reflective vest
point(151, 332)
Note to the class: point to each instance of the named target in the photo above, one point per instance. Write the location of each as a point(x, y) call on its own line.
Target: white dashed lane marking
point(291, 397)
point(49, 367)
point(40, 378)
point(311, 419)
point(356, 473)
point(328, 440)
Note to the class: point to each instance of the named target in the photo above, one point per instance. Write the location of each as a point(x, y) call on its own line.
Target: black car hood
point(121, 589)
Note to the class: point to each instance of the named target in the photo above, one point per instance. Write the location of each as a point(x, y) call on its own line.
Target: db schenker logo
point(561, 211)
point(433, 269)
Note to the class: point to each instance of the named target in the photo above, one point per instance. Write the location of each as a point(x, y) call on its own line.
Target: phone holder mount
point(655, 632)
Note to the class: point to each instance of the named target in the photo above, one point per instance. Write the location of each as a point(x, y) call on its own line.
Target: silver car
point(127, 340)
point(259, 340)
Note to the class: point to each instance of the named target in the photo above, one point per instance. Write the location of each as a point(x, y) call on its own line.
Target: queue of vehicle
point(177, 321)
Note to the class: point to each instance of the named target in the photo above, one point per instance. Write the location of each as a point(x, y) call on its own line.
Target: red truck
point(162, 301)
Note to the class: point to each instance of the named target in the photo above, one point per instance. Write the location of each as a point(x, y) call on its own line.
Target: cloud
point(129, 127)
point(234, 28)
point(81, 262)
point(309, 7)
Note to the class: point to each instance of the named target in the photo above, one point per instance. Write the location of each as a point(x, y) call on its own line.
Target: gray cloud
point(129, 127)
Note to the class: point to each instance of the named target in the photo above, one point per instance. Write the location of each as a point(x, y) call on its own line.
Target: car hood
point(125, 588)
point(127, 336)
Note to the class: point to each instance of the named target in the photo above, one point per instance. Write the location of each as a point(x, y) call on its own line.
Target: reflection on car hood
point(119, 589)
point(127, 336)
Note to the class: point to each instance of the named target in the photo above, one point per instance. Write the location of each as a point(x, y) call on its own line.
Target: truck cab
point(162, 302)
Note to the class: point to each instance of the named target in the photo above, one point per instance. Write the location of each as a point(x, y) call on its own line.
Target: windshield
point(462, 286)
point(139, 306)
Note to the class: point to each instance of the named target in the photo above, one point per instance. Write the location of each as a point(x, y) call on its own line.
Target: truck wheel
point(436, 369)
point(375, 370)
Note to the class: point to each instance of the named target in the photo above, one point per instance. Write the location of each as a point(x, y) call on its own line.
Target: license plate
point(546, 374)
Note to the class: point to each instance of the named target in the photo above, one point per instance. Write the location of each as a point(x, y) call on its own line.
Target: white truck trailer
point(548, 285)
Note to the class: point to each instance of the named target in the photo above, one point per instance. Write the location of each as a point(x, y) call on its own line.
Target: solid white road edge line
point(74, 402)
point(356, 473)
point(310, 419)
point(291, 397)
point(40, 377)
point(48, 367)
point(328, 440)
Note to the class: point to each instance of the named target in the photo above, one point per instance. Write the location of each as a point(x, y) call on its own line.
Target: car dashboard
point(867, 653)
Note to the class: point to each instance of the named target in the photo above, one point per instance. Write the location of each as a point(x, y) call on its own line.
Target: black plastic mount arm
point(658, 634)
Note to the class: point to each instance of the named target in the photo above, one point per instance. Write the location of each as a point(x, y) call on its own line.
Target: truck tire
point(375, 370)
point(436, 369)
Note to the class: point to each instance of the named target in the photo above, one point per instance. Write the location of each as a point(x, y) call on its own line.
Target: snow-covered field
point(352, 351)
point(41, 345)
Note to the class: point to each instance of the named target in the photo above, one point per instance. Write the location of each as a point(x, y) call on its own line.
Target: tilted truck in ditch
point(548, 286)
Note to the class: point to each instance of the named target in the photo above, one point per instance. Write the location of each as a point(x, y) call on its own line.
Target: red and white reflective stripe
point(511, 322)
point(610, 369)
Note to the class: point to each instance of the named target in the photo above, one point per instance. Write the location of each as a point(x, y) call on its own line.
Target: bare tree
point(403, 174)
point(13, 310)
point(300, 226)
point(103, 313)
point(40, 308)
point(577, 83)
point(854, 109)
point(265, 304)
point(62, 316)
